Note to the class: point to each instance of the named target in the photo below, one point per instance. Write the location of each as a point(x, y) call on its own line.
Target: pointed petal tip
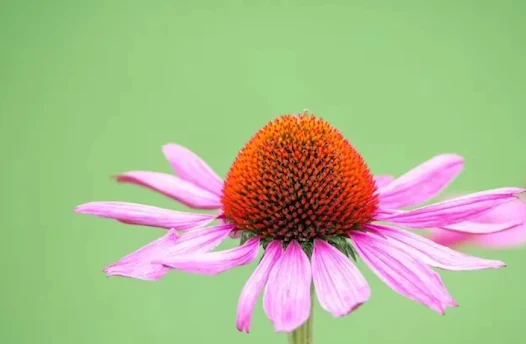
point(146, 277)
point(84, 208)
point(242, 327)
point(495, 264)
point(354, 308)
point(168, 146)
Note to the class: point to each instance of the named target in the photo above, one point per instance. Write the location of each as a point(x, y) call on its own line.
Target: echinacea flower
point(302, 192)
point(513, 212)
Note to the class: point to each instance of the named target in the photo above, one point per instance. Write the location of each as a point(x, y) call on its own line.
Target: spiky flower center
point(299, 178)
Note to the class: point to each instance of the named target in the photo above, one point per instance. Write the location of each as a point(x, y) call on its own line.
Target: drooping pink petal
point(513, 237)
point(254, 285)
point(198, 241)
point(174, 187)
point(287, 300)
point(382, 180)
point(422, 182)
point(139, 263)
point(431, 253)
point(513, 212)
point(192, 168)
point(448, 238)
point(400, 271)
point(472, 227)
point(452, 211)
point(340, 287)
point(139, 214)
point(214, 263)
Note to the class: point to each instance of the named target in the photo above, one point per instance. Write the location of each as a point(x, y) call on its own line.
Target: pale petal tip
point(453, 156)
point(110, 271)
point(288, 327)
point(169, 147)
point(495, 264)
point(343, 314)
point(85, 208)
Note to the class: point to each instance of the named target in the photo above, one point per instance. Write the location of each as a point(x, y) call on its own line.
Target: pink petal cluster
point(401, 259)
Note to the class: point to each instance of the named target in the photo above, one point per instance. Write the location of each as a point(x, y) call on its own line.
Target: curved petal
point(382, 180)
point(451, 211)
point(287, 298)
point(192, 168)
point(214, 263)
point(430, 253)
point(422, 182)
point(145, 215)
point(254, 285)
point(401, 272)
point(174, 187)
point(198, 241)
point(340, 287)
point(471, 227)
point(448, 238)
point(139, 263)
point(510, 216)
point(510, 238)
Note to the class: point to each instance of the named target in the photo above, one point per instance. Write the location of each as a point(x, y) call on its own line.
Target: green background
point(89, 89)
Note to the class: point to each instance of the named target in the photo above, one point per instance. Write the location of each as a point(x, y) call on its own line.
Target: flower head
point(298, 178)
point(299, 189)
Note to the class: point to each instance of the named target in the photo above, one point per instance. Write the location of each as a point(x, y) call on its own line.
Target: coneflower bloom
point(302, 192)
point(513, 212)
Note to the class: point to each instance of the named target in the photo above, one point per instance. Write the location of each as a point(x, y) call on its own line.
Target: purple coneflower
point(302, 192)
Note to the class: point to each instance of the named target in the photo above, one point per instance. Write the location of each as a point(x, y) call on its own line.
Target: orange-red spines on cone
point(299, 178)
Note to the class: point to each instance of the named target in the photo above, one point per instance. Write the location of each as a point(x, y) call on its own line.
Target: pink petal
point(422, 182)
point(448, 238)
point(451, 211)
point(254, 285)
point(191, 168)
point(383, 180)
point(514, 211)
point(214, 263)
point(401, 272)
point(198, 241)
point(340, 287)
point(442, 294)
point(287, 299)
point(472, 227)
point(174, 187)
point(430, 253)
point(511, 217)
point(138, 214)
point(139, 263)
